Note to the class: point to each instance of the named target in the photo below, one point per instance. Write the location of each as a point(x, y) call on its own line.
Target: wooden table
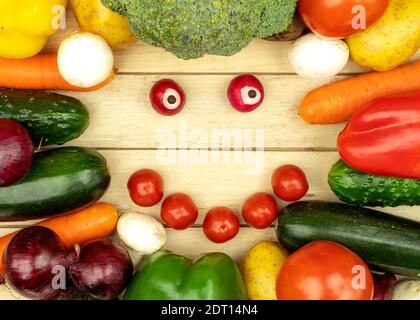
point(131, 135)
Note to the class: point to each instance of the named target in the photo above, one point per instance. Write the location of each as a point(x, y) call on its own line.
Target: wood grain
point(132, 136)
point(213, 184)
point(122, 117)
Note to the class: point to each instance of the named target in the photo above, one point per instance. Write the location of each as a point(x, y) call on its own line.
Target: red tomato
point(260, 210)
point(221, 224)
point(324, 270)
point(340, 18)
point(145, 187)
point(289, 183)
point(179, 211)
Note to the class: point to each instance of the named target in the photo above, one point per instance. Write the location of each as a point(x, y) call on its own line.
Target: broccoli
point(192, 28)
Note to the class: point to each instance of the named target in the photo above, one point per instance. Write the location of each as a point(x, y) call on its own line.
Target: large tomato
point(324, 270)
point(340, 18)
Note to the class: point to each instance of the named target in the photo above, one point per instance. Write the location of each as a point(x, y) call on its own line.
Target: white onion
point(141, 233)
point(406, 290)
point(85, 59)
point(315, 58)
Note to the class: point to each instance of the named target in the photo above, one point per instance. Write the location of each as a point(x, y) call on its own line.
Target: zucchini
point(365, 189)
point(60, 180)
point(50, 118)
point(385, 242)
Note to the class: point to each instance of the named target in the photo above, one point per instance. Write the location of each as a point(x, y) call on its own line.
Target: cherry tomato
point(145, 187)
point(260, 210)
point(179, 211)
point(340, 18)
point(289, 183)
point(324, 270)
point(245, 93)
point(167, 97)
point(221, 224)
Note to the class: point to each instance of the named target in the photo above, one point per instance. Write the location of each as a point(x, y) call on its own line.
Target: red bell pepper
point(383, 137)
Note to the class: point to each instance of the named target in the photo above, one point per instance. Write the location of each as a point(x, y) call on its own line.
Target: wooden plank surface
point(124, 106)
point(127, 131)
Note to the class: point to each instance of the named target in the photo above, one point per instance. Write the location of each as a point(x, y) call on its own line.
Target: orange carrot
point(336, 102)
point(94, 222)
point(39, 72)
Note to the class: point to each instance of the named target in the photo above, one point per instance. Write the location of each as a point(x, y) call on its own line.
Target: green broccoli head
point(191, 29)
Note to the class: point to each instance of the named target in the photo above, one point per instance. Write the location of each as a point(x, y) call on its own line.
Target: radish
point(245, 93)
point(167, 97)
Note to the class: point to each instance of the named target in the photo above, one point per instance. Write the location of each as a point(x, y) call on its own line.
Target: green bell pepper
point(167, 276)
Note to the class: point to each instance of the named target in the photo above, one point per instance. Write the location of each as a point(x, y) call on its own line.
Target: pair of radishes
point(245, 94)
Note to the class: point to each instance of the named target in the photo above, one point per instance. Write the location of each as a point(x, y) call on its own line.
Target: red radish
point(245, 93)
point(16, 152)
point(167, 97)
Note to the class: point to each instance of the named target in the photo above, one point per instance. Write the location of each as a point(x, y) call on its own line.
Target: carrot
point(336, 102)
point(39, 72)
point(94, 222)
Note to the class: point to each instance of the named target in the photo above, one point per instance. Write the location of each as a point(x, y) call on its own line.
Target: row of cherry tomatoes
point(179, 211)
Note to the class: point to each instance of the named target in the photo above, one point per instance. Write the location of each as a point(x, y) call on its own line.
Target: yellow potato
point(392, 40)
point(94, 17)
point(260, 268)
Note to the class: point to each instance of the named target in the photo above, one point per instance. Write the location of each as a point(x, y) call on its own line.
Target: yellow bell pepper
point(26, 25)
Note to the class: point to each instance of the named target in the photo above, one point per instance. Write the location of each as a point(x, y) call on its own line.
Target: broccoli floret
point(192, 28)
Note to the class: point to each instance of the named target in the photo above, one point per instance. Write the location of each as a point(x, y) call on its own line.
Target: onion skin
point(16, 152)
point(383, 285)
point(104, 269)
point(29, 260)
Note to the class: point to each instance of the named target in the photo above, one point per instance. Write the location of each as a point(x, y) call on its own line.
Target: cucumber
point(365, 189)
point(50, 118)
point(60, 180)
point(385, 242)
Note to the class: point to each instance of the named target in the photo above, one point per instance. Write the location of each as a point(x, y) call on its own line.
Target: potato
point(260, 268)
point(94, 17)
point(392, 40)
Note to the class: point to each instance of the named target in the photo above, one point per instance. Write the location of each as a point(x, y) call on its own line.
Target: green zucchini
point(50, 118)
point(365, 189)
point(60, 180)
point(385, 242)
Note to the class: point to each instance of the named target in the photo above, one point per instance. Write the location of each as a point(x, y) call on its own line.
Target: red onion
point(16, 152)
point(30, 259)
point(383, 284)
point(245, 93)
point(104, 269)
